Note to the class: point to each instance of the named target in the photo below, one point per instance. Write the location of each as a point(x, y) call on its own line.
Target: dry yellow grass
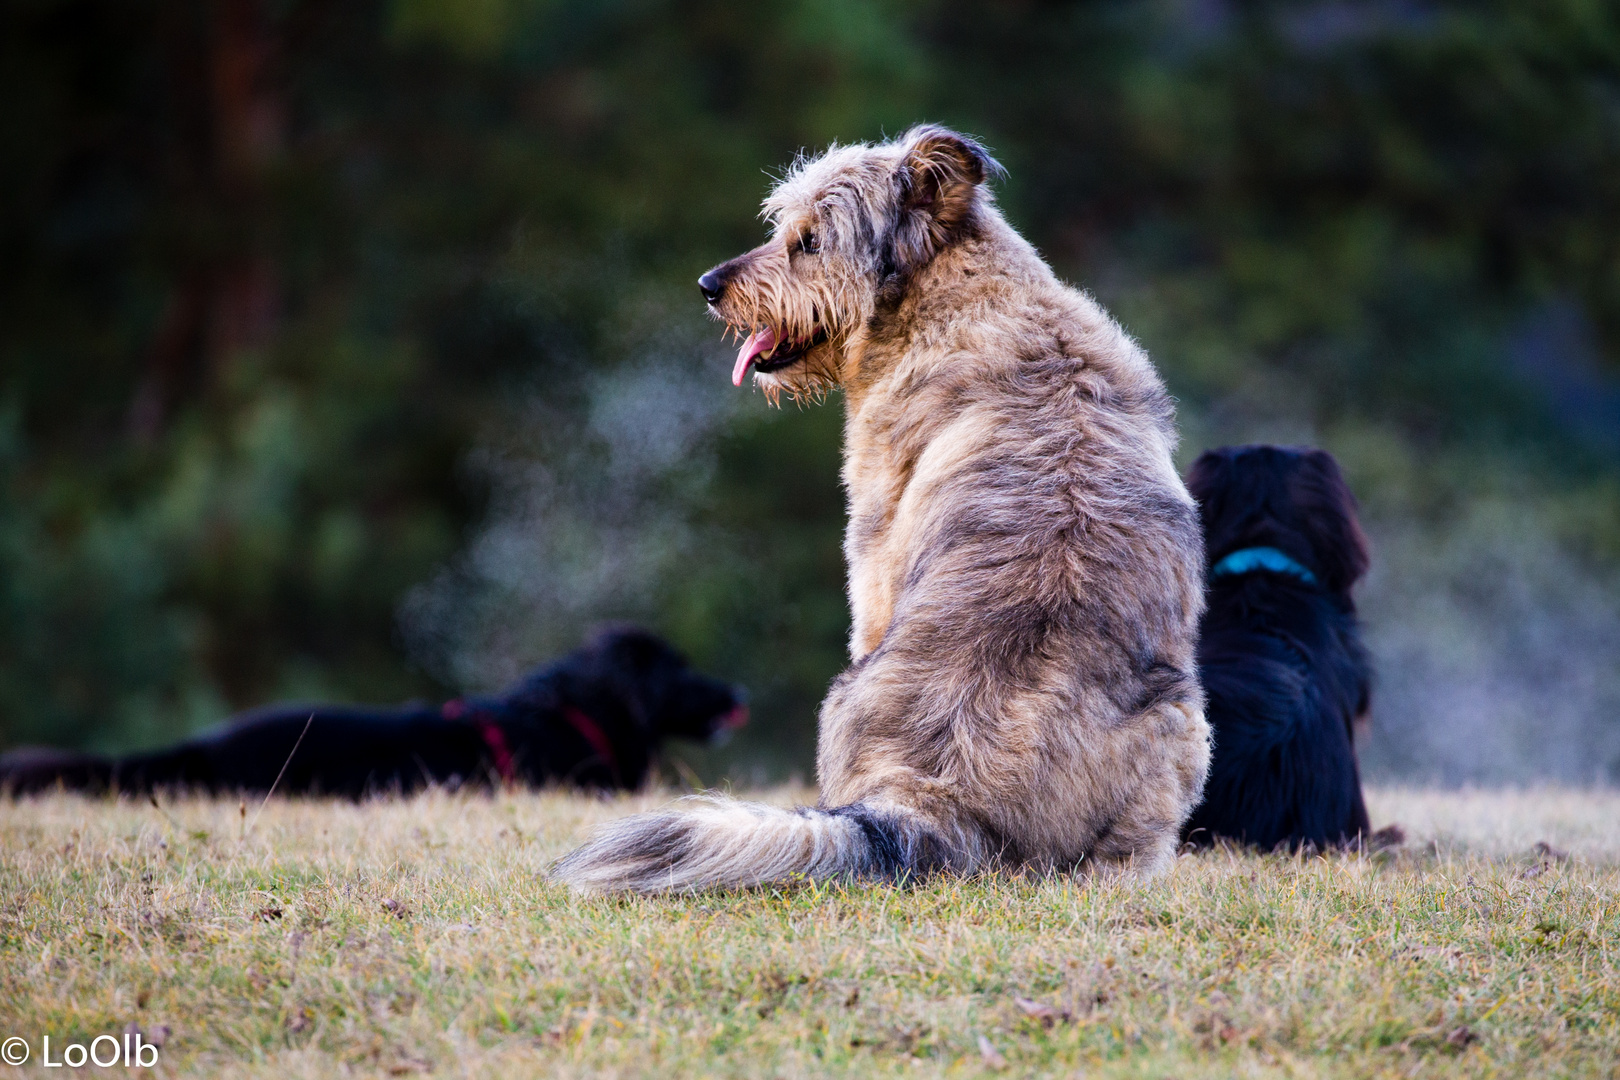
point(420, 937)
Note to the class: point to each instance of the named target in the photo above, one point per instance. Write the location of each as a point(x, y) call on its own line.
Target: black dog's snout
point(711, 286)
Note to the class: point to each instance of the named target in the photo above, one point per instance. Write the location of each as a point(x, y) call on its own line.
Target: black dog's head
point(656, 686)
point(1292, 499)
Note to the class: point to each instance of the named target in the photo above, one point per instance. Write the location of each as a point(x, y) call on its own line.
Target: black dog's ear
point(1330, 518)
point(628, 644)
point(1204, 478)
point(1208, 481)
point(939, 180)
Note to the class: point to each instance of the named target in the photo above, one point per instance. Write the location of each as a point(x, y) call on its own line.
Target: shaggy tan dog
point(1025, 566)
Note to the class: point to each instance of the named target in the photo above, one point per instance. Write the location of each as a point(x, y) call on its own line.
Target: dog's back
point(1280, 653)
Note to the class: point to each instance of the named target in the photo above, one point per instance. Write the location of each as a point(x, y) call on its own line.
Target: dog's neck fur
point(983, 261)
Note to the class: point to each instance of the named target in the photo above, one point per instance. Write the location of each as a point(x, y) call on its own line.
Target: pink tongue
point(760, 341)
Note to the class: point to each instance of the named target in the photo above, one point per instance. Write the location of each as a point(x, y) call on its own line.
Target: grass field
point(420, 937)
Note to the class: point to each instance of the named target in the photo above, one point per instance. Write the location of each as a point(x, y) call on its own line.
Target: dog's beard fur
point(816, 297)
point(1026, 568)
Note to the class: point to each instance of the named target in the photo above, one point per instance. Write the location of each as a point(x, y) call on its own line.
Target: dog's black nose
point(711, 286)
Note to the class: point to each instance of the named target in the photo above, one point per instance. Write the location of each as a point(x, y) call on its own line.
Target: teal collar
point(1248, 560)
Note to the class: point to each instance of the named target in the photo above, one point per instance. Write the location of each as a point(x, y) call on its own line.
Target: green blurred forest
point(351, 349)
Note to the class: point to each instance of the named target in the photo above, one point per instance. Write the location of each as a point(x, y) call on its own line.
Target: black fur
point(1281, 658)
point(594, 719)
point(886, 840)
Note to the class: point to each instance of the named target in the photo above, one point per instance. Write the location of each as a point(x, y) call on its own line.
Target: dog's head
point(847, 228)
point(657, 687)
point(1292, 499)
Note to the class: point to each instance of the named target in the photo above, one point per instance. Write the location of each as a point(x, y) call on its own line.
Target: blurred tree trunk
point(229, 123)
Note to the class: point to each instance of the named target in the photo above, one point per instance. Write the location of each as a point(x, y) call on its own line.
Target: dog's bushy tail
point(714, 842)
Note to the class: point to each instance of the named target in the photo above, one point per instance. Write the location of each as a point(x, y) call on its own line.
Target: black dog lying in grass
point(1280, 654)
point(593, 719)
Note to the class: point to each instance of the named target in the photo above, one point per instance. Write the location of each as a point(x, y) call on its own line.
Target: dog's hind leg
point(1142, 836)
point(1150, 858)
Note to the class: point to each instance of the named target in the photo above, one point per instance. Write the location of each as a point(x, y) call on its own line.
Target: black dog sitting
point(593, 718)
point(1280, 653)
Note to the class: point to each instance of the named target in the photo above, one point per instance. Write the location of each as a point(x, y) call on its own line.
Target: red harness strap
point(593, 734)
point(494, 738)
point(501, 753)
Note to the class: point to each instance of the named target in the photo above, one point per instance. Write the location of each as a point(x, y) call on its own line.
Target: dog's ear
point(1208, 481)
point(633, 649)
point(941, 172)
point(1336, 535)
point(1208, 474)
point(938, 180)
